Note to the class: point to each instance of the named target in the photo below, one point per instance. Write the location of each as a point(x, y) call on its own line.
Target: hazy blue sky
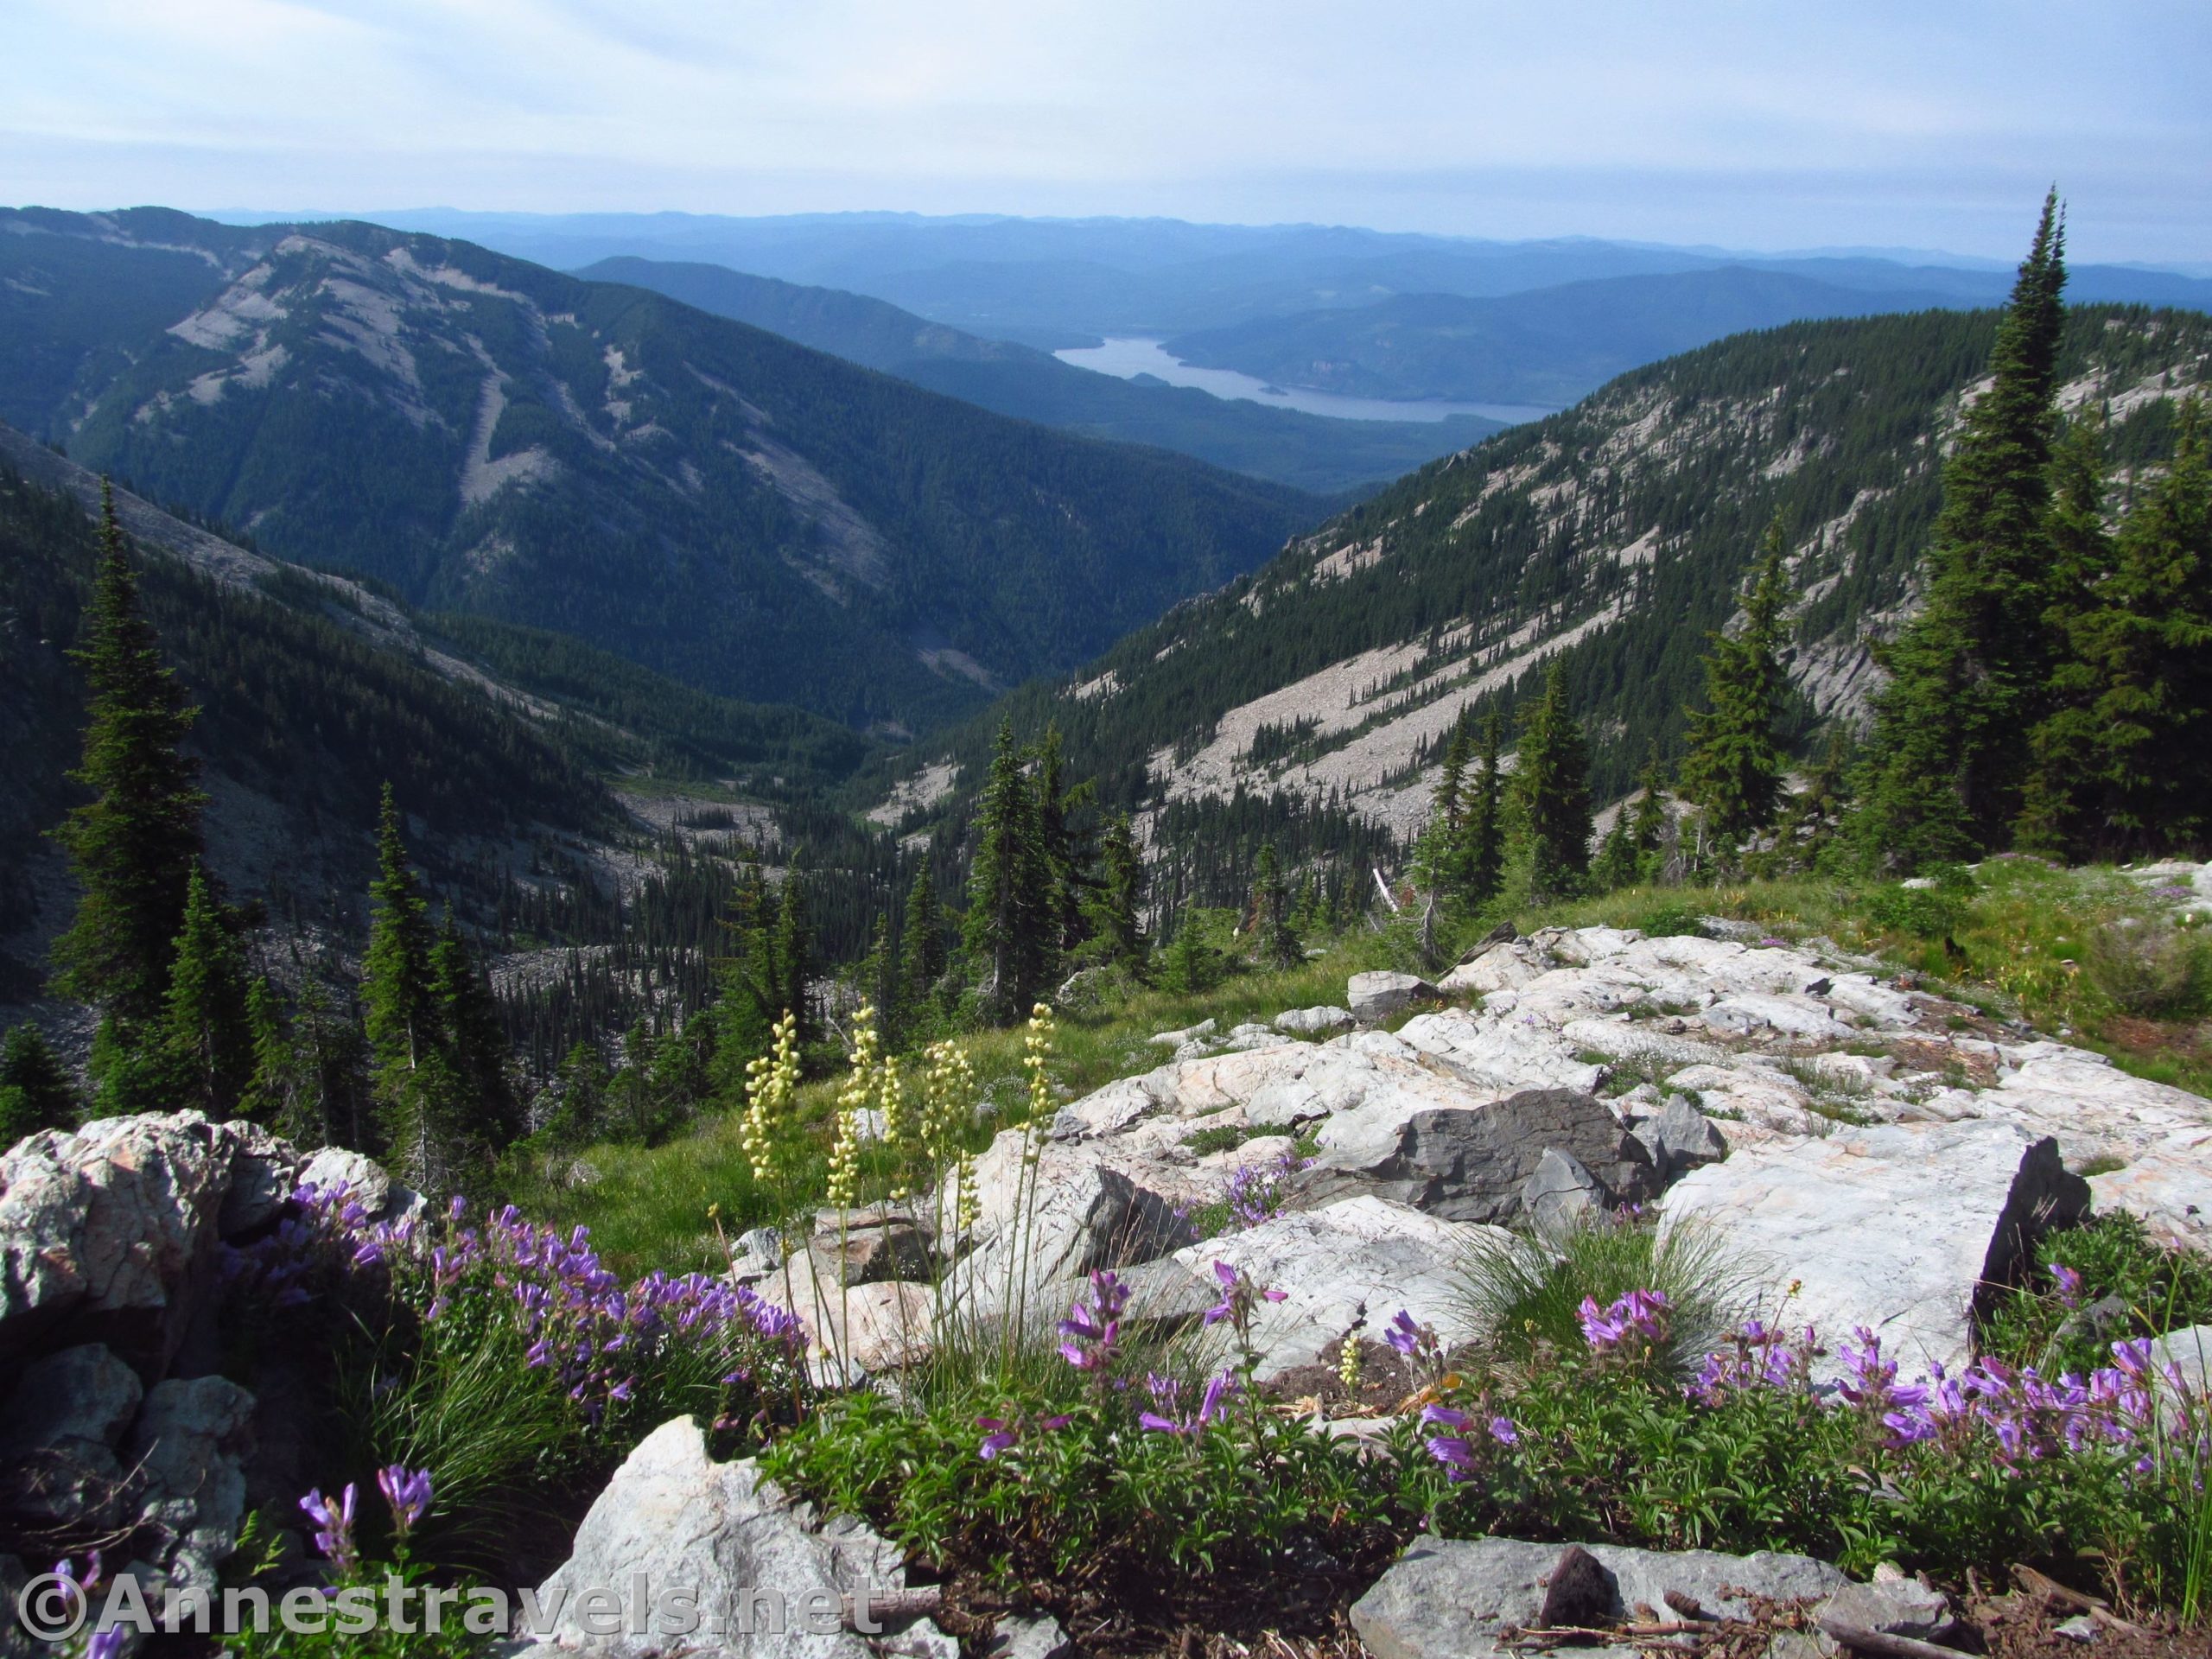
point(1787, 123)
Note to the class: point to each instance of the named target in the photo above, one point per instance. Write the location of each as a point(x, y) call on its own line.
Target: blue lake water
point(1128, 357)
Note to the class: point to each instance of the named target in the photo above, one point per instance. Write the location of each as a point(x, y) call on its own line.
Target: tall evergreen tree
point(2132, 778)
point(791, 964)
point(1946, 765)
point(2059, 801)
point(132, 847)
point(1272, 939)
point(206, 1042)
point(35, 1091)
point(415, 1091)
point(921, 953)
point(468, 1015)
point(1011, 903)
point(277, 1088)
point(1635, 846)
point(1551, 785)
point(1734, 768)
point(1117, 906)
point(1065, 856)
point(1483, 850)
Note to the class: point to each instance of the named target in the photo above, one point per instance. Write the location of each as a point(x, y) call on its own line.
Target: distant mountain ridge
point(1054, 283)
point(1303, 451)
point(709, 500)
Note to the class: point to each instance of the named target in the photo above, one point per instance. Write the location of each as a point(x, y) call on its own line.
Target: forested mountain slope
point(1548, 346)
point(315, 691)
point(1305, 451)
point(707, 500)
point(1617, 532)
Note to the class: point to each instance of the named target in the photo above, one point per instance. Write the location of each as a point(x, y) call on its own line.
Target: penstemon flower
point(1167, 1417)
point(1093, 1328)
point(1240, 1298)
point(333, 1526)
point(407, 1492)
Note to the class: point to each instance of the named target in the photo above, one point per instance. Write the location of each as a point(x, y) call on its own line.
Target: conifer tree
point(1065, 857)
point(413, 1080)
point(2059, 803)
point(1442, 853)
point(748, 987)
point(1734, 768)
point(921, 954)
point(1117, 906)
point(1483, 868)
point(132, 847)
point(1551, 785)
point(1272, 939)
point(207, 1045)
point(791, 964)
point(35, 1091)
point(1946, 762)
point(1011, 903)
point(2134, 781)
point(1635, 848)
point(276, 1089)
point(469, 1018)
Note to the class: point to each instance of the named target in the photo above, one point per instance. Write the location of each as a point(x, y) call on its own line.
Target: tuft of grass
point(1524, 1294)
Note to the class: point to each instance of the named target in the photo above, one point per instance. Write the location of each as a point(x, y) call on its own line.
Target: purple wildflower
point(1239, 1298)
point(334, 1526)
point(1640, 1317)
point(1094, 1327)
point(408, 1493)
point(2069, 1284)
point(1167, 1393)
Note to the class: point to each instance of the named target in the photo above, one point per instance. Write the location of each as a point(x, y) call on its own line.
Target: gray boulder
point(1474, 1163)
point(1362, 1256)
point(1455, 1599)
point(722, 1534)
point(1895, 1605)
point(1902, 1228)
point(1560, 1194)
point(59, 1435)
point(1311, 1022)
point(1680, 1137)
point(107, 1235)
point(190, 1446)
point(2189, 1352)
point(1020, 1637)
point(1377, 996)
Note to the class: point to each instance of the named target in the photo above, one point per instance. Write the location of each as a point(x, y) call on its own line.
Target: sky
point(1759, 125)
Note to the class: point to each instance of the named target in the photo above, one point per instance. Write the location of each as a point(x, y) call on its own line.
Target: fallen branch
point(1880, 1644)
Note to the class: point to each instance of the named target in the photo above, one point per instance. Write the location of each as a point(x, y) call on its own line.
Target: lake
point(1127, 358)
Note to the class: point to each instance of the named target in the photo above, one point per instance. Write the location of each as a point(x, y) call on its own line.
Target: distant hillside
point(1307, 452)
point(707, 499)
point(314, 691)
point(1547, 345)
point(1615, 533)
